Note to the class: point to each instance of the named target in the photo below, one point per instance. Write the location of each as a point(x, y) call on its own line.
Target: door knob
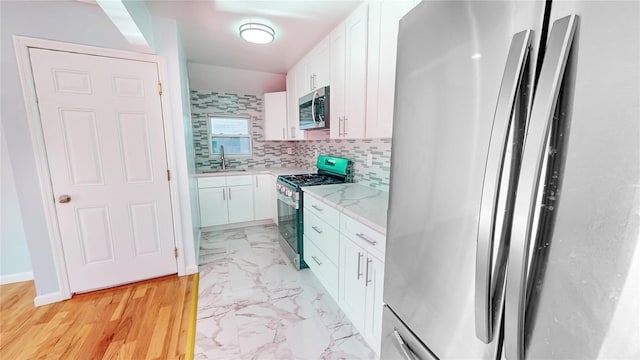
point(63, 199)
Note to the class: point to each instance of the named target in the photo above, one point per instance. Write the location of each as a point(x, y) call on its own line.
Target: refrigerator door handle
point(488, 289)
point(542, 114)
point(402, 346)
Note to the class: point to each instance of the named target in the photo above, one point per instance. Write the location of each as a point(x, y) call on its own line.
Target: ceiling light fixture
point(257, 33)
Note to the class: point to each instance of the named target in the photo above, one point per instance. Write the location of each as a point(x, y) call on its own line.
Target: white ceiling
point(209, 29)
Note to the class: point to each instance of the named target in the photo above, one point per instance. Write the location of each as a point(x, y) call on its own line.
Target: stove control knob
point(289, 193)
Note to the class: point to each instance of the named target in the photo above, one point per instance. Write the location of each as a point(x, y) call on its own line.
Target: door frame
point(22, 45)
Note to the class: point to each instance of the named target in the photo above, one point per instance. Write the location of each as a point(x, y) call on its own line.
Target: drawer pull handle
point(317, 207)
point(365, 238)
point(316, 229)
point(366, 276)
point(316, 260)
point(359, 273)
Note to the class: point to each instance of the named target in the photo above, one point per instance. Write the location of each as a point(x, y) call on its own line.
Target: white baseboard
point(14, 278)
point(48, 298)
point(191, 270)
point(236, 225)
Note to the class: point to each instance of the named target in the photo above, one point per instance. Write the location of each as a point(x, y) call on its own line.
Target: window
point(232, 132)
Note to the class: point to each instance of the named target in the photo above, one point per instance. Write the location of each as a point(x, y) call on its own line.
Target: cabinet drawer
point(239, 180)
point(213, 181)
point(326, 238)
point(368, 238)
point(322, 210)
point(321, 267)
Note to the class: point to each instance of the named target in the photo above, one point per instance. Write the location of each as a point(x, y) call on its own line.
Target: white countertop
point(257, 170)
point(365, 204)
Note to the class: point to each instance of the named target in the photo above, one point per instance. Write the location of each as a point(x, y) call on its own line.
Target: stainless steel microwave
point(314, 110)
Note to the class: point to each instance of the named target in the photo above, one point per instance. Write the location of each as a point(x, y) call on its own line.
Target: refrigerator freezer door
point(451, 59)
point(584, 279)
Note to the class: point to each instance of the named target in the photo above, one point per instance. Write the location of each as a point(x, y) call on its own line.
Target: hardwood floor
point(145, 320)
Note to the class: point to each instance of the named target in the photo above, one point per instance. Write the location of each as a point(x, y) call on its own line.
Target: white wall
point(189, 147)
point(208, 78)
point(68, 21)
point(167, 44)
point(15, 262)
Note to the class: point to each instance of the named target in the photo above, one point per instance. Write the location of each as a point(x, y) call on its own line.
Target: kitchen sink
point(212, 171)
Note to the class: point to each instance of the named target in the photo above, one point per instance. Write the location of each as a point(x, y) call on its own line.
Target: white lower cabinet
point(225, 200)
point(240, 203)
point(264, 199)
point(361, 278)
point(353, 293)
point(321, 243)
point(372, 331)
point(213, 206)
point(348, 259)
point(323, 267)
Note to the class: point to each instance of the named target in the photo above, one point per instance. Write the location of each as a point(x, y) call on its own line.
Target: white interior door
point(104, 136)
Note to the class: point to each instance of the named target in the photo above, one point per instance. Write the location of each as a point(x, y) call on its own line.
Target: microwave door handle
point(542, 115)
point(486, 295)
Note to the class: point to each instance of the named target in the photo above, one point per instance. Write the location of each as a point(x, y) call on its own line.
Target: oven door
point(288, 221)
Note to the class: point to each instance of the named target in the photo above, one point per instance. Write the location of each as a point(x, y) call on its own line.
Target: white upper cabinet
point(384, 18)
point(358, 61)
point(336, 96)
point(275, 116)
point(348, 76)
point(293, 125)
point(314, 70)
point(302, 81)
point(318, 68)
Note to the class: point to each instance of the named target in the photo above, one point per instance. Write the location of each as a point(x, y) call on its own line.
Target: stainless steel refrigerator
point(514, 211)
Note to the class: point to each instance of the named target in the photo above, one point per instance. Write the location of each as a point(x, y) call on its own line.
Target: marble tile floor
point(253, 304)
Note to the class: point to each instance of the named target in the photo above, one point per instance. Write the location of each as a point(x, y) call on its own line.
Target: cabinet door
point(263, 197)
point(213, 206)
point(336, 97)
point(303, 78)
point(293, 132)
point(374, 279)
point(240, 203)
point(355, 73)
point(384, 18)
point(352, 292)
point(274, 198)
point(275, 115)
point(319, 69)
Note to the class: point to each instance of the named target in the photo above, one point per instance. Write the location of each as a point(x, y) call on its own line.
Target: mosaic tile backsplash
point(375, 176)
point(274, 153)
point(265, 153)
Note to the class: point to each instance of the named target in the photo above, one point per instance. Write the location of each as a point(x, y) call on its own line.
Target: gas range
point(331, 170)
point(311, 179)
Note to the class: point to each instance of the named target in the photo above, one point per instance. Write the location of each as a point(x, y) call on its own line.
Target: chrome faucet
point(224, 166)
